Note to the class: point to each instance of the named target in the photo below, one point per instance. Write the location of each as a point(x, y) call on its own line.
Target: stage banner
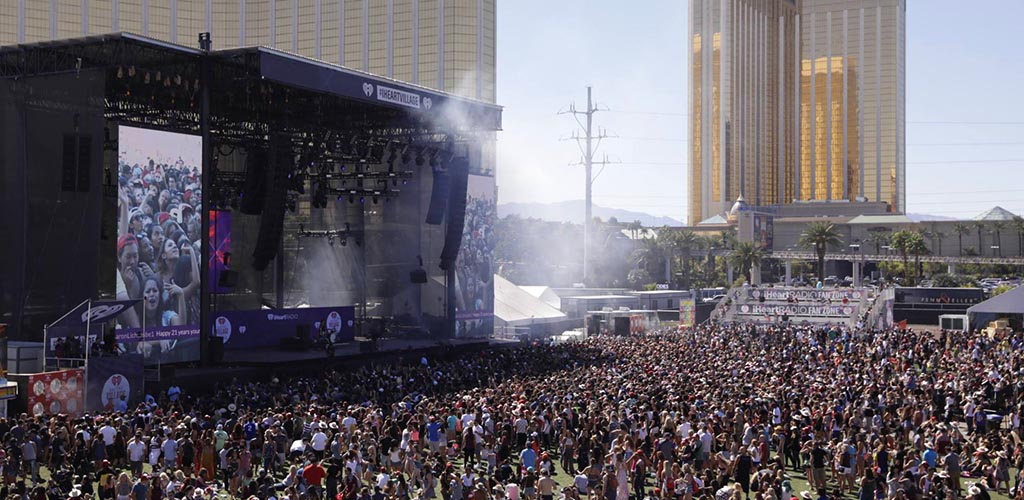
point(63, 391)
point(781, 294)
point(797, 310)
point(160, 240)
point(115, 383)
point(267, 327)
point(687, 312)
point(474, 310)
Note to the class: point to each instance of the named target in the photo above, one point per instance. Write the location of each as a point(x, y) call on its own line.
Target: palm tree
point(711, 244)
point(980, 226)
point(647, 256)
point(939, 235)
point(917, 249)
point(820, 236)
point(680, 244)
point(906, 243)
point(744, 256)
point(997, 228)
point(879, 238)
point(961, 229)
point(634, 229)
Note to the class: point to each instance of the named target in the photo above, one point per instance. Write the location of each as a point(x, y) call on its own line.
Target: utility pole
point(588, 145)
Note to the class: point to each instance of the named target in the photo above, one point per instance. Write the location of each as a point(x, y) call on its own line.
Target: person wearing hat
point(140, 490)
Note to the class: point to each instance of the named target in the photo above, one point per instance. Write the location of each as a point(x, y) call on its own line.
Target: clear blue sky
point(965, 71)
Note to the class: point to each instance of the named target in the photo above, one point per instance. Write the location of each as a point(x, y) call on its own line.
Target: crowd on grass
point(723, 412)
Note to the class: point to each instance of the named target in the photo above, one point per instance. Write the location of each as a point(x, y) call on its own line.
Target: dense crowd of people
point(724, 412)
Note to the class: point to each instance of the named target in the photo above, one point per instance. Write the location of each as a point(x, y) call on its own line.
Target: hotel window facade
point(796, 101)
point(447, 45)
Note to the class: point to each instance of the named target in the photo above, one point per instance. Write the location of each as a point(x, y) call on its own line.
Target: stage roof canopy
point(249, 81)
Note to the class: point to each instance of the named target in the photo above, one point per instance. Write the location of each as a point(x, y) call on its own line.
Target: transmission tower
point(588, 144)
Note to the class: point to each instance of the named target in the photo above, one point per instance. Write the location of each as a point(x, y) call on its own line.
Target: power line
point(963, 123)
point(968, 144)
point(663, 139)
point(950, 162)
point(946, 193)
point(652, 113)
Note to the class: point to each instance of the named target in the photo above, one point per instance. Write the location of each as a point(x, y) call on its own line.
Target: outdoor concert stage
point(201, 206)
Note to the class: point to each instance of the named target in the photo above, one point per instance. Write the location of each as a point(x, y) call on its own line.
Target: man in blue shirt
point(527, 458)
point(929, 455)
point(433, 434)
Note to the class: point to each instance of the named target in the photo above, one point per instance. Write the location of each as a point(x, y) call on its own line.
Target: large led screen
point(159, 243)
point(473, 274)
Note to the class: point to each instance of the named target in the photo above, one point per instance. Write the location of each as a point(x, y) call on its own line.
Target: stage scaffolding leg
point(204, 271)
point(449, 282)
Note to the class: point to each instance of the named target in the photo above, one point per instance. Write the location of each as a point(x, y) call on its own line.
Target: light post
point(888, 252)
point(855, 248)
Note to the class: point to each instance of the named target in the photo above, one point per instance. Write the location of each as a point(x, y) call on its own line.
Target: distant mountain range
point(572, 211)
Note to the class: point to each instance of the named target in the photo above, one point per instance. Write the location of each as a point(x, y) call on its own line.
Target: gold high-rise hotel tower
point(447, 45)
point(796, 101)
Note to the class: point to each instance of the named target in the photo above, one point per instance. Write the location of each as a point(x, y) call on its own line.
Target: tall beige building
point(853, 101)
point(796, 101)
point(742, 91)
point(447, 45)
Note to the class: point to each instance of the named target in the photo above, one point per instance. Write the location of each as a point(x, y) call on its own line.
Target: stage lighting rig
point(332, 235)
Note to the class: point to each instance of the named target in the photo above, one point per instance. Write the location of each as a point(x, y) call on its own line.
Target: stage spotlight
point(342, 168)
point(404, 182)
point(120, 72)
point(362, 200)
point(351, 199)
point(374, 200)
point(145, 79)
point(344, 241)
point(330, 240)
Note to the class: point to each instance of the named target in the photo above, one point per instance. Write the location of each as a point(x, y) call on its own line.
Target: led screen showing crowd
point(475, 287)
point(159, 243)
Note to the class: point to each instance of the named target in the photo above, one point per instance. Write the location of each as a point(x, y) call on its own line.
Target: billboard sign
point(268, 327)
point(687, 312)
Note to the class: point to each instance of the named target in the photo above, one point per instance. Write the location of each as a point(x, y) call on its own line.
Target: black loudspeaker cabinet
point(418, 276)
point(458, 171)
point(593, 325)
point(227, 279)
point(622, 326)
point(438, 198)
point(254, 190)
point(216, 349)
point(272, 221)
point(302, 335)
point(367, 346)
